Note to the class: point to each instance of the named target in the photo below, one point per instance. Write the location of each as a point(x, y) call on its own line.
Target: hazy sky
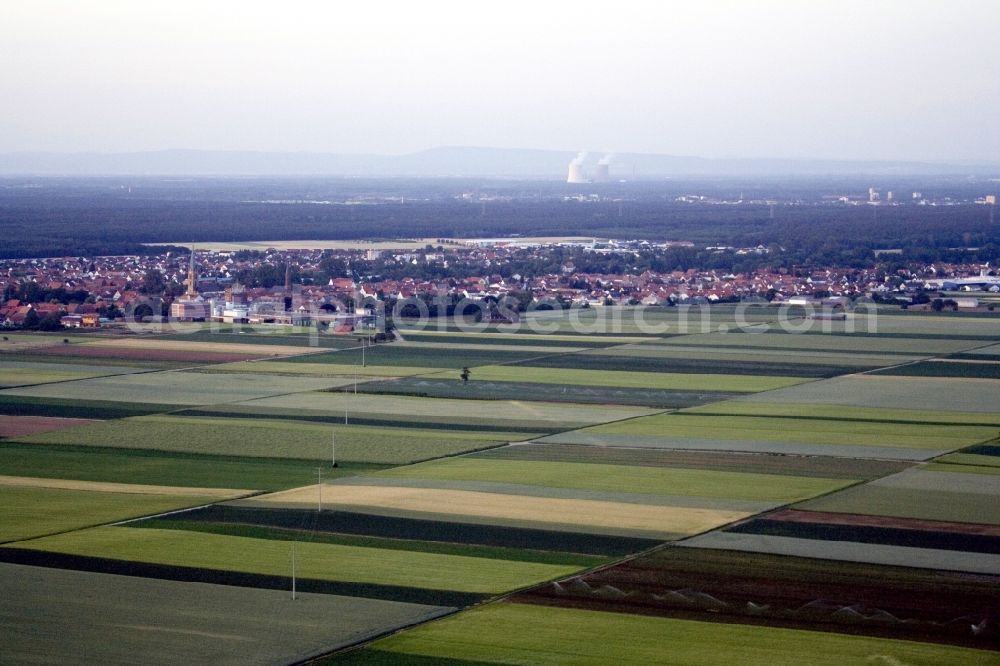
point(906, 79)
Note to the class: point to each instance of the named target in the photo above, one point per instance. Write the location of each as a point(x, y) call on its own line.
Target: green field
point(854, 413)
point(935, 492)
point(885, 392)
point(81, 409)
point(864, 343)
point(693, 363)
point(787, 429)
point(176, 388)
point(317, 561)
point(496, 413)
point(979, 370)
point(272, 439)
point(444, 386)
point(518, 339)
point(14, 342)
point(27, 512)
point(971, 459)
point(509, 633)
point(24, 373)
point(423, 357)
point(248, 336)
point(779, 356)
point(823, 467)
point(144, 466)
point(623, 379)
point(667, 481)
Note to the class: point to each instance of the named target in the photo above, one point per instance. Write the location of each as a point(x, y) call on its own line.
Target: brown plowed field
point(19, 426)
point(787, 591)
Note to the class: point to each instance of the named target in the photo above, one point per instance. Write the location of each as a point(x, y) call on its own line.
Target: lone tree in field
point(465, 375)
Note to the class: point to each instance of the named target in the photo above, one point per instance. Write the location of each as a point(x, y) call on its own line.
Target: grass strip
point(145, 466)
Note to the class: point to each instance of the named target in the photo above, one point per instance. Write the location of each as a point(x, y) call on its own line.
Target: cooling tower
point(576, 173)
point(602, 173)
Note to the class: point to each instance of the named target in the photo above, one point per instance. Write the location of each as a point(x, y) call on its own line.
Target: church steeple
point(192, 281)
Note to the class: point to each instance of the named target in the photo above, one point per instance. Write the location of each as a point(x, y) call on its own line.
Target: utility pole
point(333, 449)
point(293, 571)
point(319, 488)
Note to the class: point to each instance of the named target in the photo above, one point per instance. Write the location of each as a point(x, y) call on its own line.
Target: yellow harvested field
point(193, 346)
point(130, 488)
point(588, 515)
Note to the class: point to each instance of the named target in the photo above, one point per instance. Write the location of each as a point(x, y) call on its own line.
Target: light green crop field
point(540, 338)
point(933, 492)
point(934, 394)
point(460, 411)
point(27, 512)
point(144, 466)
point(508, 633)
point(820, 342)
point(971, 459)
point(992, 470)
point(23, 373)
point(778, 355)
point(783, 429)
point(273, 439)
point(810, 411)
point(623, 478)
point(25, 341)
point(307, 369)
point(321, 561)
point(495, 346)
point(923, 325)
point(615, 320)
point(177, 388)
point(624, 379)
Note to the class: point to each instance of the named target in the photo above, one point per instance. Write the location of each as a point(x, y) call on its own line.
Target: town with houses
point(204, 285)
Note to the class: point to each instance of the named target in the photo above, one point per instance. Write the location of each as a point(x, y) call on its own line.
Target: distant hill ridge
point(452, 162)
